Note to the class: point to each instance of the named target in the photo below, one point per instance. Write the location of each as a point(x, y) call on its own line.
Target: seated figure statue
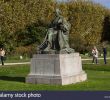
point(56, 39)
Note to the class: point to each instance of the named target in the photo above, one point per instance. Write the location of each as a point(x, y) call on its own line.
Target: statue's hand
point(60, 26)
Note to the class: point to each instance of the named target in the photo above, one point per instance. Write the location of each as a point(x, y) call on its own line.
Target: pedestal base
point(61, 69)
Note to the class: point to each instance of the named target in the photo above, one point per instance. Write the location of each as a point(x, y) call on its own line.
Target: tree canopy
point(24, 22)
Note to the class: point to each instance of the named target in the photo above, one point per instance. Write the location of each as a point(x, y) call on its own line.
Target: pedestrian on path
point(95, 55)
point(105, 54)
point(2, 54)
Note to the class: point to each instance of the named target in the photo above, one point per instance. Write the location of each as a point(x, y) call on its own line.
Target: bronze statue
point(56, 39)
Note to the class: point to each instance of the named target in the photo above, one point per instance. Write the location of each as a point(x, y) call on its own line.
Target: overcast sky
point(105, 3)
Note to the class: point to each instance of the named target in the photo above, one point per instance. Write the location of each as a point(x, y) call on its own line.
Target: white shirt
point(95, 52)
point(2, 53)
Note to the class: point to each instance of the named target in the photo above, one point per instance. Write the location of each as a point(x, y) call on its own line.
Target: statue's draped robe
point(57, 36)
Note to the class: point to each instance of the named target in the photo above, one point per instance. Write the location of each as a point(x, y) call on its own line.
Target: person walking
point(95, 55)
point(105, 54)
point(2, 54)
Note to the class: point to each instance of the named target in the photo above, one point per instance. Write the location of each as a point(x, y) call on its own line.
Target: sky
point(105, 3)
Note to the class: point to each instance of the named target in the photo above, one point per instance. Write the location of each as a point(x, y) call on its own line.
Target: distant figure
point(95, 55)
point(105, 54)
point(21, 57)
point(2, 54)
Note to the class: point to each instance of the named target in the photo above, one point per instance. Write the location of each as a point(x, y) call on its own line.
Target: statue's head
point(57, 12)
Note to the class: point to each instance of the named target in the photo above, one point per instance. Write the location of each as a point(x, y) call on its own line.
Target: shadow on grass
point(9, 78)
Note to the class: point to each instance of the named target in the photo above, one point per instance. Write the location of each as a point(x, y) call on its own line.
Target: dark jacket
point(104, 50)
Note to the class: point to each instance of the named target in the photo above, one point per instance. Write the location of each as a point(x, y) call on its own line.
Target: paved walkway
point(29, 62)
point(16, 63)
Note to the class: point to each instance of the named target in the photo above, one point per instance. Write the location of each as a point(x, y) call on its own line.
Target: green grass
point(13, 78)
point(90, 56)
point(100, 62)
point(17, 60)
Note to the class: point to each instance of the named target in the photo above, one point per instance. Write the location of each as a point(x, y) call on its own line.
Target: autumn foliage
point(24, 22)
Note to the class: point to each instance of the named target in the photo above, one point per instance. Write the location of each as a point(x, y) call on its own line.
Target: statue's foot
point(67, 51)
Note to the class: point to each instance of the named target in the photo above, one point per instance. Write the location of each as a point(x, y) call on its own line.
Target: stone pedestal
point(54, 69)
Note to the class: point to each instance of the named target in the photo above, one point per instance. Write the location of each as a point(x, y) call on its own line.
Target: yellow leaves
point(86, 18)
point(24, 50)
point(86, 21)
point(20, 13)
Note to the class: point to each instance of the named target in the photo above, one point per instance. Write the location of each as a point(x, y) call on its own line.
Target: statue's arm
point(65, 26)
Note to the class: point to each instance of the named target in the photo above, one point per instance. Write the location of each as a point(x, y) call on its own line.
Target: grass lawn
point(16, 60)
point(100, 61)
point(13, 78)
